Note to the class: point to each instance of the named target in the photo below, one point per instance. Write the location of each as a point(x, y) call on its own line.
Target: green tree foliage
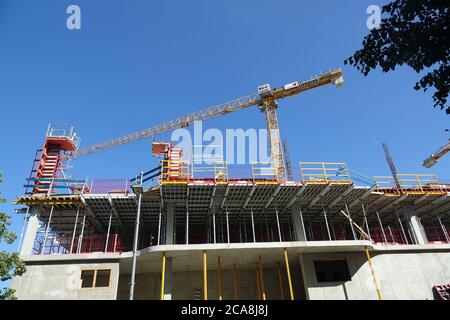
point(10, 264)
point(415, 33)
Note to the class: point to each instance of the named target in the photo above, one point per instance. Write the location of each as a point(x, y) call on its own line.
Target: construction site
point(289, 230)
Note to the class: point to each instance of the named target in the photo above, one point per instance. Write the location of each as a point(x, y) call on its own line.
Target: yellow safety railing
point(411, 184)
point(324, 173)
point(175, 172)
point(214, 169)
point(220, 171)
point(264, 173)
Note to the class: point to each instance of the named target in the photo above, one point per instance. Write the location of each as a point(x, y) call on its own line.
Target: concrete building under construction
point(200, 234)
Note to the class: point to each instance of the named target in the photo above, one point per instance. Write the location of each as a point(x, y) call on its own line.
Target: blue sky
point(139, 63)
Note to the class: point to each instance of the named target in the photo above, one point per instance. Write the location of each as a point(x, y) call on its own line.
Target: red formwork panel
point(435, 235)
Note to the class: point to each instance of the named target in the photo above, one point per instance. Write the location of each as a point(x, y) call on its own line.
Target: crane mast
point(391, 165)
point(287, 160)
point(265, 98)
point(273, 132)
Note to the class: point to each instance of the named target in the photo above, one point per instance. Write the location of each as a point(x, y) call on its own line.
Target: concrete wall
point(402, 275)
point(62, 281)
point(185, 284)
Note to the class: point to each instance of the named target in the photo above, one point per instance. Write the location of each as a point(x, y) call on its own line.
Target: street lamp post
point(137, 189)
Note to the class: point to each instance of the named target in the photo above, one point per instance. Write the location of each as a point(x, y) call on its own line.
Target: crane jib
point(212, 112)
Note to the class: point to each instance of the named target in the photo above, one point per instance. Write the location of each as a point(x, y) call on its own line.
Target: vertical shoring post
point(74, 229)
point(222, 237)
point(373, 274)
point(401, 226)
point(288, 272)
point(228, 226)
point(115, 241)
point(187, 226)
point(174, 234)
point(235, 288)
point(47, 228)
point(80, 239)
point(303, 224)
point(109, 230)
point(326, 222)
point(311, 236)
point(208, 231)
point(366, 222)
point(261, 278)
point(392, 235)
point(23, 229)
point(219, 279)
point(214, 227)
point(164, 227)
point(163, 275)
point(278, 225)
point(245, 230)
point(381, 226)
point(240, 229)
point(253, 225)
point(159, 222)
point(205, 277)
point(351, 221)
point(135, 243)
point(291, 232)
point(444, 230)
point(334, 232)
point(280, 280)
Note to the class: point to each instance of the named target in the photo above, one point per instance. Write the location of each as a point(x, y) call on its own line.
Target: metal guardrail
point(72, 186)
point(175, 173)
point(104, 186)
point(411, 183)
point(63, 131)
point(264, 173)
point(216, 170)
point(324, 173)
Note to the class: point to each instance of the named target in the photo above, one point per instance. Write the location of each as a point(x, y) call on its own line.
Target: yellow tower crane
point(266, 98)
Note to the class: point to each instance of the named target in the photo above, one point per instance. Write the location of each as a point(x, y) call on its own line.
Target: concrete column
point(414, 224)
point(168, 280)
point(297, 220)
point(304, 275)
point(170, 214)
point(30, 233)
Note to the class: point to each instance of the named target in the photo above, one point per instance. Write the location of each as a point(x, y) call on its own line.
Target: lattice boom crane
point(266, 98)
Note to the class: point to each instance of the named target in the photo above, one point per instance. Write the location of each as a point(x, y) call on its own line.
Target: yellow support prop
point(261, 275)
point(288, 271)
point(257, 282)
point(163, 274)
point(235, 282)
point(219, 278)
point(205, 277)
point(280, 279)
point(373, 274)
